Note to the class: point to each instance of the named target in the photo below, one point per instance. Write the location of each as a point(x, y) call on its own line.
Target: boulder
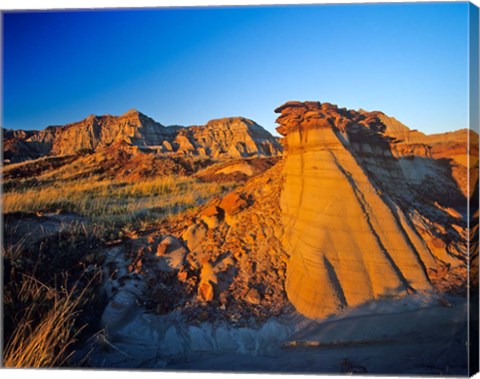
point(205, 292)
point(212, 216)
point(171, 253)
point(253, 296)
point(194, 235)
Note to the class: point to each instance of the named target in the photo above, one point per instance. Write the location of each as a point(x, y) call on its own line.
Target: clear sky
point(187, 66)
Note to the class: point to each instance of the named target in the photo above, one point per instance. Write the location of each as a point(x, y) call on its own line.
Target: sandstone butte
point(356, 225)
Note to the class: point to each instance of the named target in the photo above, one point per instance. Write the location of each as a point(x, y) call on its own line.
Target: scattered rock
point(182, 276)
point(233, 203)
point(253, 296)
point(171, 253)
point(212, 216)
point(194, 235)
point(205, 291)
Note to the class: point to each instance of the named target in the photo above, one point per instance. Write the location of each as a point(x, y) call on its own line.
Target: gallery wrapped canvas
point(283, 189)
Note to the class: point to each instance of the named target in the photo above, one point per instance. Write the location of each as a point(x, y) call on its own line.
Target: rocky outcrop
point(132, 127)
point(232, 137)
point(357, 227)
point(235, 244)
point(227, 137)
point(23, 145)
point(223, 263)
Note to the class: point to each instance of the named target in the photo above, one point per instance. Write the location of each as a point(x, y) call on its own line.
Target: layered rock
point(227, 137)
point(132, 127)
point(22, 145)
point(356, 228)
point(233, 137)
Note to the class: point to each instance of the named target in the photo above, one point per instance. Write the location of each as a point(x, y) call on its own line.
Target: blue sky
point(187, 66)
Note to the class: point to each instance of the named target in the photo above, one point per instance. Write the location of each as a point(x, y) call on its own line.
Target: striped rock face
point(348, 241)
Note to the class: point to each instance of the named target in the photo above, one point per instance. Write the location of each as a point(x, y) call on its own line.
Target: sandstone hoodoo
point(222, 138)
point(357, 223)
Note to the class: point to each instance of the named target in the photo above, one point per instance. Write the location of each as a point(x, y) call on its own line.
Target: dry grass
point(40, 316)
point(42, 339)
point(107, 201)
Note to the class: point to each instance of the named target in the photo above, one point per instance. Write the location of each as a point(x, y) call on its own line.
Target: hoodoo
point(346, 240)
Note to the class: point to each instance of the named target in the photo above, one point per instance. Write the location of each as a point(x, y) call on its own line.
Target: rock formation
point(358, 224)
point(358, 208)
point(226, 137)
point(232, 137)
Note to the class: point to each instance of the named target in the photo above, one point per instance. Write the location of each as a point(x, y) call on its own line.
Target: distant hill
point(227, 137)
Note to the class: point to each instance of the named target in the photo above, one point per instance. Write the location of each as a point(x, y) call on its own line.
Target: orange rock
point(205, 292)
point(233, 203)
point(211, 210)
point(253, 296)
point(161, 249)
point(138, 266)
point(182, 276)
point(194, 235)
point(212, 215)
point(438, 242)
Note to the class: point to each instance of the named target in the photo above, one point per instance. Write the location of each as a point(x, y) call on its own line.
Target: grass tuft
point(43, 339)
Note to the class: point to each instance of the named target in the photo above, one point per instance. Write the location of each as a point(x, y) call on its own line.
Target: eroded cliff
point(230, 137)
